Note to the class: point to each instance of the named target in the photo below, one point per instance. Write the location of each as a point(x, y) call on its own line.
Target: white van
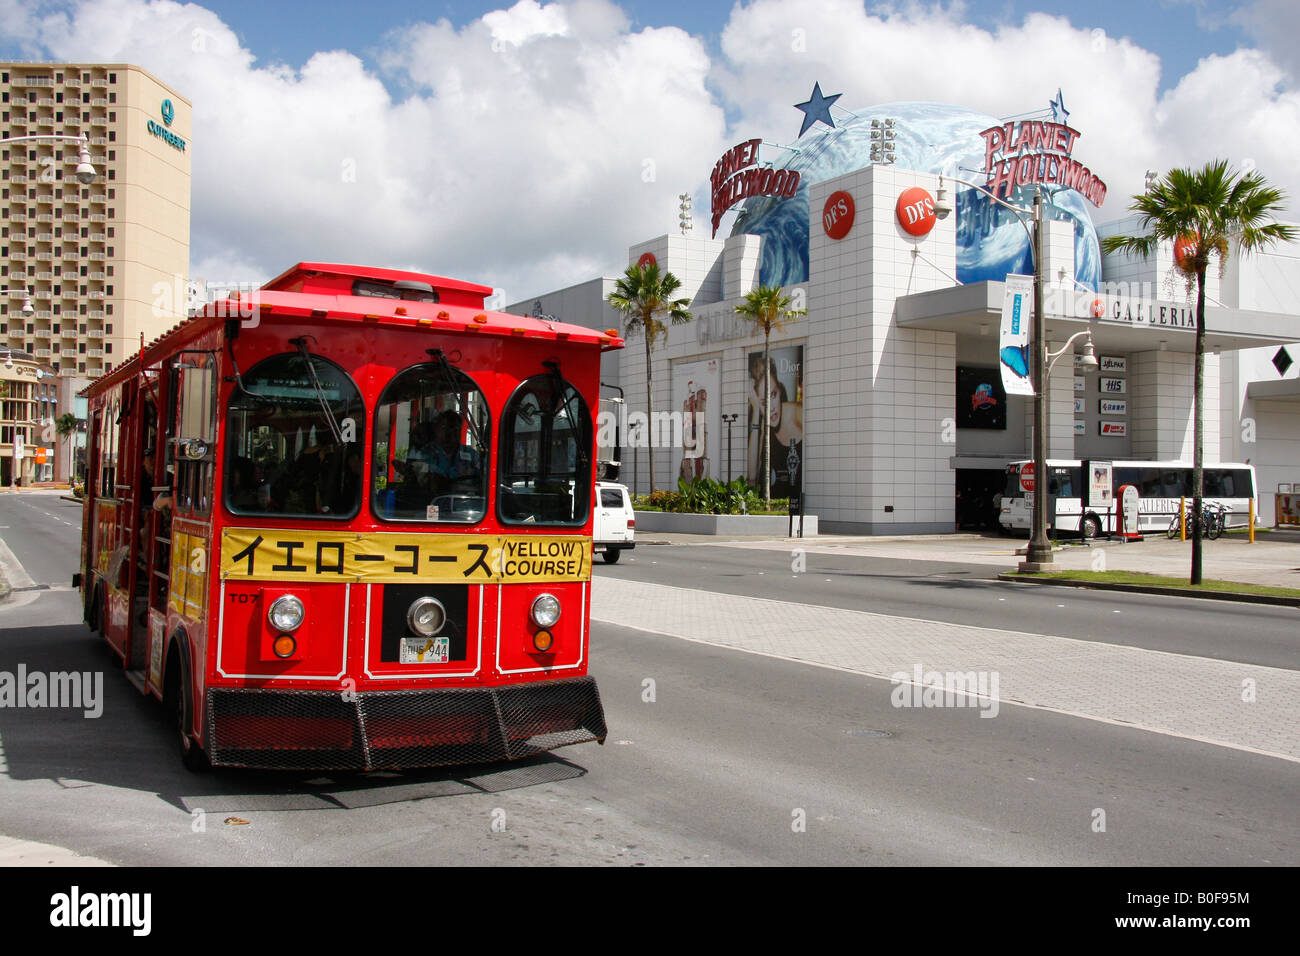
point(614, 528)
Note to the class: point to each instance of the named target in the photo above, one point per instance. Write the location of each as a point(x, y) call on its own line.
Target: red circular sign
point(1184, 249)
point(1098, 308)
point(837, 214)
point(915, 211)
point(647, 259)
point(1027, 476)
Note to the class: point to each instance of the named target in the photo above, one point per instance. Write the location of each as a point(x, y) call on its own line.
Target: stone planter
point(771, 526)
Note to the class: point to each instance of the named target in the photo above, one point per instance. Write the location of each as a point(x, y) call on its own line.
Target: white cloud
point(1237, 106)
point(530, 147)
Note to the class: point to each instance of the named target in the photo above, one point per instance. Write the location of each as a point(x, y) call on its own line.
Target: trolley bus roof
point(316, 290)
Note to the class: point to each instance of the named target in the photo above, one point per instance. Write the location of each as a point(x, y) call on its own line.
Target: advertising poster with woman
point(697, 387)
point(785, 424)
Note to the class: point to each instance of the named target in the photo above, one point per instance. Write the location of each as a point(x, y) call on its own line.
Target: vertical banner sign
point(1013, 343)
point(1100, 485)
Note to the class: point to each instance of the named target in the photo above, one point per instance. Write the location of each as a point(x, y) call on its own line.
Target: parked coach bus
point(1161, 487)
point(345, 522)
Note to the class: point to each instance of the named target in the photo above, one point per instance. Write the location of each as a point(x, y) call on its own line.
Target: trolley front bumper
point(391, 730)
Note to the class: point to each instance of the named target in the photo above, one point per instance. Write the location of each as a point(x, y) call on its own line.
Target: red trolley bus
point(345, 523)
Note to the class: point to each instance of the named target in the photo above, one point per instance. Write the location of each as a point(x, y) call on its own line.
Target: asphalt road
point(738, 759)
point(970, 594)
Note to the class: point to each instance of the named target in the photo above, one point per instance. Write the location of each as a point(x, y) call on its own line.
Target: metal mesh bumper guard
point(391, 730)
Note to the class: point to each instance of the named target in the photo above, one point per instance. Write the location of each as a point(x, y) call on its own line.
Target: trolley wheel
point(95, 617)
point(611, 555)
point(193, 757)
point(1089, 527)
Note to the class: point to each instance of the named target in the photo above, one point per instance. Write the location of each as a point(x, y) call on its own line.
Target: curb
point(1153, 589)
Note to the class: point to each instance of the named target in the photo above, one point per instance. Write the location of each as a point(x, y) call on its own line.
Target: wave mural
point(930, 137)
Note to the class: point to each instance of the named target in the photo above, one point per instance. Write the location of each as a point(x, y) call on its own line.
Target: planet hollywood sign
point(737, 176)
point(1034, 151)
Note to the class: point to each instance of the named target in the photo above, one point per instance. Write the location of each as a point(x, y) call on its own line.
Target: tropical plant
point(769, 309)
point(66, 426)
point(645, 297)
point(1205, 213)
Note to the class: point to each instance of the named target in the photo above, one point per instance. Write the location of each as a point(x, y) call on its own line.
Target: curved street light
point(28, 310)
point(85, 170)
point(1038, 556)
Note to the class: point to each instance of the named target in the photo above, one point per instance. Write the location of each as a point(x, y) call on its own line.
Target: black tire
point(1089, 528)
point(193, 758)
point(95, 614)
point(1172, 533)
point(611, 555)
point(1213, 528)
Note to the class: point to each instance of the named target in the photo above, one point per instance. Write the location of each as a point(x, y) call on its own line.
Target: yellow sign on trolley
point(268, 554)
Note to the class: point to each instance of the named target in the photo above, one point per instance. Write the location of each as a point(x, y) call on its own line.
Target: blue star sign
point(817, 107)
point(1059, 113)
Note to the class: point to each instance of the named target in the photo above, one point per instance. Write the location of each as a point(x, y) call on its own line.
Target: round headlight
point(546, 610)
point(426, 616)
point(286, 613)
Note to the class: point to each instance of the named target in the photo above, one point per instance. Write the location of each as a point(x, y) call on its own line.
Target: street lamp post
point(730, 420)
point(85, 171)
point(1038, 556)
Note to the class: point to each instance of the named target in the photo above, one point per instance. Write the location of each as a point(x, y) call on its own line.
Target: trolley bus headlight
point(426, 616)
point(286, 613)
point(546, 610)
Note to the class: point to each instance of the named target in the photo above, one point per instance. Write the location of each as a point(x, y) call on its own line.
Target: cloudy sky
point(527, 146)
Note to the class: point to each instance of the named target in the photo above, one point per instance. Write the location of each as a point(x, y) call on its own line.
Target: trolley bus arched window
point(431, 447)
point(294, 438)
point(544, 474)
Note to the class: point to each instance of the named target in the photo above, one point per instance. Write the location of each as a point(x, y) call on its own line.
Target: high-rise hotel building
point(92, 259)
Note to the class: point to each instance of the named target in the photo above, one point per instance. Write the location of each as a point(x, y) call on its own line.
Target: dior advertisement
point(785, 425)
point(697, 392)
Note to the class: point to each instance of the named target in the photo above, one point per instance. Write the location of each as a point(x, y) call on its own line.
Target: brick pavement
point(1176, 694)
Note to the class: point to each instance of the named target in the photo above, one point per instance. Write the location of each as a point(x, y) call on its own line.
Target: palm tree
point(768, 309)
point(645, 296)
point(65, 425)
point(1205, 212)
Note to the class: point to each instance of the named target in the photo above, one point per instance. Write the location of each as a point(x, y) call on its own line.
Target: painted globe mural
point(929, 137)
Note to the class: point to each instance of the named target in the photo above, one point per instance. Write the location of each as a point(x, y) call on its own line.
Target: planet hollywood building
point(888, 408)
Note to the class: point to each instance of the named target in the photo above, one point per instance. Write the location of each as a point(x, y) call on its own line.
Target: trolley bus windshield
point(431, 448)
point(545, 471)
point(293, 440)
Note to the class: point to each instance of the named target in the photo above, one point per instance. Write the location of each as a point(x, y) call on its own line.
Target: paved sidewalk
point(1192, 697)
point(26, 853)
point(1274, 558)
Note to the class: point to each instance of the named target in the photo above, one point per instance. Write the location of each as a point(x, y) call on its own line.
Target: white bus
point(1161, 486)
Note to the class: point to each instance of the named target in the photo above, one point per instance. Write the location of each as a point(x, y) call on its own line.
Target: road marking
point(14, 572)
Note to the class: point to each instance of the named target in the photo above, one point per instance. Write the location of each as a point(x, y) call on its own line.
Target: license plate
point(425, 650)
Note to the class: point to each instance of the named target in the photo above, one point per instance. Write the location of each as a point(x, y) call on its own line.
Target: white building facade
point(888, 388)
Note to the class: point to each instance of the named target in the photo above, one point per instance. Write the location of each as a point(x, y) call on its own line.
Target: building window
point(112, 154)
point(112, 97)
point(108, 348)
point(112, 117)
point(112, 138)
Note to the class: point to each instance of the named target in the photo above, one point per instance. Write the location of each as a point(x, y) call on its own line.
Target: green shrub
point(709, 496)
